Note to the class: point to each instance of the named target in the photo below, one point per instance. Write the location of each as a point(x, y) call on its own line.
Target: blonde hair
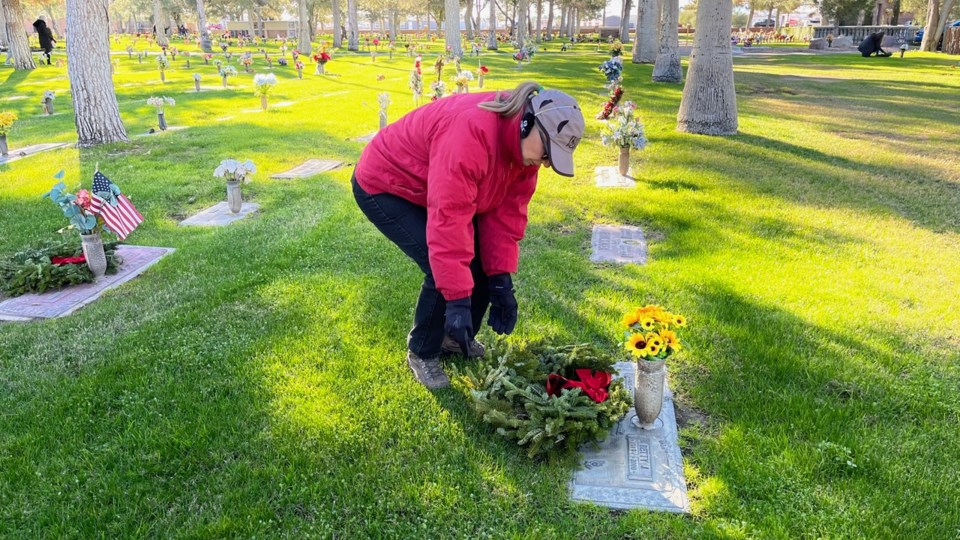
point(511, 103)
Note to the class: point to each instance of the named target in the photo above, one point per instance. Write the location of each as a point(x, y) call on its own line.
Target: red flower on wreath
point(592, 384)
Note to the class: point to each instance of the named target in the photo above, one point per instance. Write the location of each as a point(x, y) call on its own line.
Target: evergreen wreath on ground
point(33, 270)
point(550, 399)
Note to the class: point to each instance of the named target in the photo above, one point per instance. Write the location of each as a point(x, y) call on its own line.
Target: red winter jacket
point(458, 161)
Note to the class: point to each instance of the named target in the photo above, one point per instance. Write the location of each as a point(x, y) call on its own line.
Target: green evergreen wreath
point(31, 270)
point(509, 392)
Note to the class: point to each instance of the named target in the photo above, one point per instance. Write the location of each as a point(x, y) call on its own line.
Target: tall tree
point(451, 27)
point(667, 67)
point(522, 12)
point(648, 20)
point(539, 27)
point(19, 45)
point(337, 34)
point(625, 22)
point(160, 24)
point(303, 28)
point(353, 32)
point(709, 102)
point(468, 20)
point(91, 79)
point(550, 20)
point(492, 35)
point(205, 44)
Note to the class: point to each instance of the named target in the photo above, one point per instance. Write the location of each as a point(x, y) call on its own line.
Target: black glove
point(459, 322)
point(503, 305)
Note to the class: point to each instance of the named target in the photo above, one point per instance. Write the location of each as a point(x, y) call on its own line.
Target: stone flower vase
point(196, 84)
point(163, 76)
point(188, 63)
point(234, 196)
point(383, 119)
point(48, 106)
point(320, 69)
point(648, 391)
point(624, 161)
point(300, 74)
point(480, 80)
point(162, 121)
point(92, 246)
point(224, 82)
point(263, 102)
point(3, 144)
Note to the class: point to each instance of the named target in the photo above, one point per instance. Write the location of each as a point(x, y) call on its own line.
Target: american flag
point(116, 210)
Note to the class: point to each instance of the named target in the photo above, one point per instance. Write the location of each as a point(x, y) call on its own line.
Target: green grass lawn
point(253, 384)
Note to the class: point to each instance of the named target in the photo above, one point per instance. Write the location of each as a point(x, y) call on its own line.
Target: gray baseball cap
point(561, 120)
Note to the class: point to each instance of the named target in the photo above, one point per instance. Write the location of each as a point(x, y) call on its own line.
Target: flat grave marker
point(310, 167)
point(610, 177)
point(219, 215)
point(27, 151)
point(634, 467)
point(52, 304)
point(618, 244)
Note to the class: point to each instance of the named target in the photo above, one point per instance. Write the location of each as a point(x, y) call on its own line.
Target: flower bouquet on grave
point(416, 82)
point(616, 48)
point(160, 103)
point(196, 81)
point(173, 53)
point(321, 60)
point(612, 71)
point(105, 209)
point(376, 43)
point(226, 72)
point(651, 339)
point(206, 58)
point(47, 102)
point(520, 56)
point(480, 73)
point(246, 61)
point(298, 65)
point(383, 101)
point(296, 55)
point(462, 81)
point(7, 119)
point(549, 399)
point(236, 173)
point(436, 90)
point(263, 84)
point(162, 65)
point(624, 131)
point(186, 56)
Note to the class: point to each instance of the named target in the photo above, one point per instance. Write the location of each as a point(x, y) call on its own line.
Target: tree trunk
point(3, 26)
point(667, 68)
point(158, 24)
point(205, 44)
point(648, 18)
point(941, 25)
point(303, 28)
point(492, 35)
point(91, 83)
point(550, 20)
point(562, 31)
point(933, 18)
point(895, 16)
point(750, 16)
point(394, 24)
point(53, 20)
point(353, 33)
point(337, 37)
point(429, 31)
point(625, 22)
point(522, 8)
point(451, 26)
point(19, 45)
point(468, 21)
point(709, 102)
point(539, 28)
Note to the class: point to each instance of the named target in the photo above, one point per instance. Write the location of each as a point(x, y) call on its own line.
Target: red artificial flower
point(298, 65)
point(324, 57)
point(83, 199)
point(376, 41)
point(59, 261)
point(594, 385)
point(484, 69)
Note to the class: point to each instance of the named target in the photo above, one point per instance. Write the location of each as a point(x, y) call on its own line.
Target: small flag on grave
point(117, 211)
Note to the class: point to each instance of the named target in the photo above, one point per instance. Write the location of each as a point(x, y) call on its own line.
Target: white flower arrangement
point(48, 95)
point(196, 77)
point(264, 83)
point(161, 102)
point(623, 129)
point(162, 62)
point(383, 100)
point(234, 170)
point(228, 71)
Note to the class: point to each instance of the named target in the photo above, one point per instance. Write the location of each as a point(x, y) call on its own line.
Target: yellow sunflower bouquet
point(651, 332)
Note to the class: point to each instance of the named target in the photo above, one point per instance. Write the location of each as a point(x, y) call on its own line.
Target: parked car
point(765, 23)
point(919, 36)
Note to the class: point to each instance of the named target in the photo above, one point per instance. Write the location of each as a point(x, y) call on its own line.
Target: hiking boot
point(450, 346)
point(428, 371)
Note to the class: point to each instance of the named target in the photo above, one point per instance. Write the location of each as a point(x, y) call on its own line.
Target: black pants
point(405, 224)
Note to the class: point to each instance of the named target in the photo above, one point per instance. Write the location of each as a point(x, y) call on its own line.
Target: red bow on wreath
point(592, 384)
point(67, 260)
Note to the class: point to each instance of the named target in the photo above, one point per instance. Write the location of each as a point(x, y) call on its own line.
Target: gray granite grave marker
point(61, 303)
point(310, 167)
point(219, 215)
point(618, 244)
point(633, 467)
point(27, 151)
point(611, 177)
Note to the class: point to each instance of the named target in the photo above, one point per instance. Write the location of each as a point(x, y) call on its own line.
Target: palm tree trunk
point(205, 44)
point(337, 37)
point(19, 45)
point(709, 102)
point(625, 22)
point(91, 82)
point(451, 27)
point(468, 20)
point(159, 24)
point(550, 20)
point(667, 67)
point(648, 19)
point(303, 28)
point(492, 36)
